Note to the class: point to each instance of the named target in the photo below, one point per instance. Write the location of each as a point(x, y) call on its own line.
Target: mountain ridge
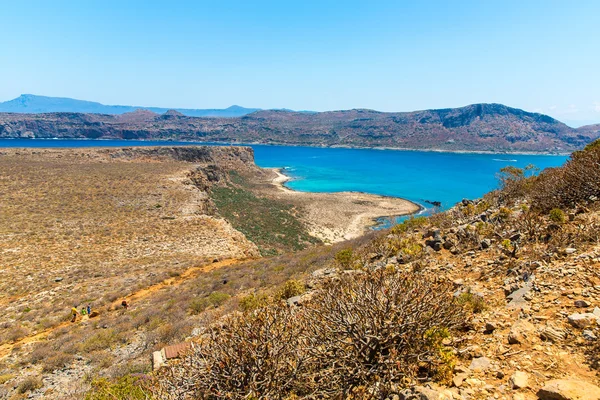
point(30, 103)
point(487, 127)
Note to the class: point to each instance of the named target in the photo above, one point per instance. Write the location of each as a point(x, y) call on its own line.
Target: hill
point(497, 297)
point(29, 103)
point(478, 127)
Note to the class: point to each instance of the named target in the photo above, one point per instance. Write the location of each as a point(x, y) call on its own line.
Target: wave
point(504, 159)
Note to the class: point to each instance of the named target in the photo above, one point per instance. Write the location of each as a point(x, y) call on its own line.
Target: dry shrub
point(366, 330)
point(254, 355)
point(57, 361)
point(376, 327)
point(577, 183)
point(30, 383)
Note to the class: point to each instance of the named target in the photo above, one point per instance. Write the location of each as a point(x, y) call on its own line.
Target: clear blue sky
point(317, 55)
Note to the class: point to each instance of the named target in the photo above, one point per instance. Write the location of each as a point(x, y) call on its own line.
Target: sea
point(424, 177)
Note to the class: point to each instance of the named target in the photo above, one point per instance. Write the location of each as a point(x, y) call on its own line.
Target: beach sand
point(335, 217)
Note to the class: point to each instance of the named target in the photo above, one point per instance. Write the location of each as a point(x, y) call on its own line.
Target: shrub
point(472, 301)
point(255, 356)
point(253, 301)
point(373, 330)
point(557, 216)
point(576, 183)
point(344, 258)
point(5, 378)
point(57, 361)
point(30, 383)
point(290, 289)
point(409, 224)
point(126, 387)
point(215, 299)
point(104, 339)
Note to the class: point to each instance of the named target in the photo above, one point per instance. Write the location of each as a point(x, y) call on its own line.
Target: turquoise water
point(419, 176)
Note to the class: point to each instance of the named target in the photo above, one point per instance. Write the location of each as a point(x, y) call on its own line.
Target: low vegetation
point(372, 327)
point(272, 224)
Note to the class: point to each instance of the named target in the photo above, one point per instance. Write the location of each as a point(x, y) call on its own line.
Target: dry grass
point(106, 228)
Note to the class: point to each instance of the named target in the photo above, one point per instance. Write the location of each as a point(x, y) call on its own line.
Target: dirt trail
point(6, 348)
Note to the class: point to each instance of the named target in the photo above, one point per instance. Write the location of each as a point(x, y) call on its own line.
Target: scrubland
point(494, 298)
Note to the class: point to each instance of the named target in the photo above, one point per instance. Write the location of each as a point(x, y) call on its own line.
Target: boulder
point(521, 332)
point(582, 321)
point(519, 380)
point(566, 389)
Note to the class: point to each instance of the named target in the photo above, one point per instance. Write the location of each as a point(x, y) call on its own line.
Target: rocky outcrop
point(564, 389)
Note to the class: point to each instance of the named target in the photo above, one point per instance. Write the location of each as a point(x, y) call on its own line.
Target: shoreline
point(362, 222)
point(216, 143)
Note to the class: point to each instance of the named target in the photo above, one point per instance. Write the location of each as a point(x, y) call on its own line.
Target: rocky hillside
point(497, 298)
point(478, 127)
point(589, 130)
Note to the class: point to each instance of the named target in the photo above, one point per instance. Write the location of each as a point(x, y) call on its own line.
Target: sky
point(541, 56)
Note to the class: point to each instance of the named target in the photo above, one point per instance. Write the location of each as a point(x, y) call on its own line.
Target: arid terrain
point(96, 226)
point(495, 298)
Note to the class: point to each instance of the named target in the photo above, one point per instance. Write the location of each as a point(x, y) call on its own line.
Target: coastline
point(335, 146)
point(360, 221)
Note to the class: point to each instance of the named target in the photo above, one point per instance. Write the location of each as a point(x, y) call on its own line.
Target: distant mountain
point(477, 127)
point(589, 130)
point(30, 103)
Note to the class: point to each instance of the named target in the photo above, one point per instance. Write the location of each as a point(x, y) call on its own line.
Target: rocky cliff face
point(478, 127)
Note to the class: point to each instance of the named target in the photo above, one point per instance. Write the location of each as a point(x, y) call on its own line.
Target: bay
point(420, 176)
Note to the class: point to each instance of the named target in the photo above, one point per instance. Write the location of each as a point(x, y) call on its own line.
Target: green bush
point(126, 387)
point(409, 224)
point(557, 216)
point(472, 301)
point(215, 299)
point(253, 301)
point(344, 258)
point(290, 289)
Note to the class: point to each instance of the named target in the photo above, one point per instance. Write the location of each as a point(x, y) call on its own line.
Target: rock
point(569, 250)
point(518, 297)
point(583, 320)
point(596, 312)
point(581, 304)
point(521, 332)
point(490, 327)
point(589, 335)
point(458, 379)
point(552, 334)
point(566, 389)
point(485, 243)
point(58, 279)
point(480, 364)
point(448, 245)
point(422, 393)
point(516, 237)
point(519, 380)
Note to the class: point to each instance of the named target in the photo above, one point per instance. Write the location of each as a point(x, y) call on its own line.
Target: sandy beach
point(335, 217)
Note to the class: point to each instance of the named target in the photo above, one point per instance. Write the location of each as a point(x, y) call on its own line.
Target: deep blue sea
point(419, 176)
